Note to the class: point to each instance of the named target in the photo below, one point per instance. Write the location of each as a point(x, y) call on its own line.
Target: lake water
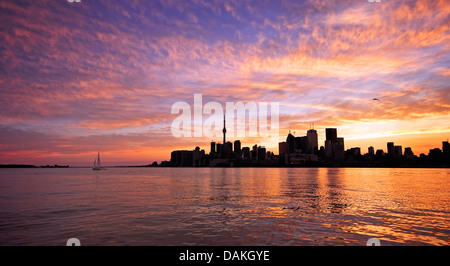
point(224, 206)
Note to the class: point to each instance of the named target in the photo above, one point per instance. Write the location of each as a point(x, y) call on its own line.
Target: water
point(224, 206)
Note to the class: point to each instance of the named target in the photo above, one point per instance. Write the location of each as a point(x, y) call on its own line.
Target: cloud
point(103, 68)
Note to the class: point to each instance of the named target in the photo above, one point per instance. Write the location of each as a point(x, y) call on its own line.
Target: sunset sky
point(102, 75)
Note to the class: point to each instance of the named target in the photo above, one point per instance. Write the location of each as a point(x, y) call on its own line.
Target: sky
point(102, 75)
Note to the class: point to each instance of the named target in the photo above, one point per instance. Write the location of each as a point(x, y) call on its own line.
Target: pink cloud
point(83, 70)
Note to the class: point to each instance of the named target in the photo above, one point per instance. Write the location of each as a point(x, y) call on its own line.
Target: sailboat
point(97, 165)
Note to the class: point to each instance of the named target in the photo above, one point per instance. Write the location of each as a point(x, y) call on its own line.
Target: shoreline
point(202, 167)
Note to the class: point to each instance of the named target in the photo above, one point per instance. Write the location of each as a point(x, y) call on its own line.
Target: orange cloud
point(113, 70)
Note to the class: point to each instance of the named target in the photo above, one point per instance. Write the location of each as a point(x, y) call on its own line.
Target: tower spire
point(224, 130)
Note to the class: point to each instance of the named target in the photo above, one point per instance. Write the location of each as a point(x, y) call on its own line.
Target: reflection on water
point(224, 206)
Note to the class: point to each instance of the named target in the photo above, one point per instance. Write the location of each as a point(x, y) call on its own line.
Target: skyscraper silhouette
point(331, 135)
point(290, 140)
point(398, 152)
point(409, 153)
point(446, 148)
point(338, 150)
point(390, 149)
point(282, 148)
point(213, 148)
point(237, 146)
point(371, 151)
point(313, 142)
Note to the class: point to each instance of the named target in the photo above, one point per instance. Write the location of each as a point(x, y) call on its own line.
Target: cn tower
point(224, 130)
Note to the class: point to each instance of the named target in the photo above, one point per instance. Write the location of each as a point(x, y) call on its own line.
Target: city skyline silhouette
point(306, 151)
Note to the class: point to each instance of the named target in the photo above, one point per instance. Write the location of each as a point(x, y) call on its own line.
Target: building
point(255, 152)
point(296, 145)
point(182, 158)
point(227, 150)
point(219, 150)
point(246, 152)
point(321, 152)
point(198, 157)
point(328, 149)
point(371, 151)
point(282, 148)
point(408, 153)
point(446, 149)
point(185, 158)
point(290, 140)
point(261, 153)
point(303, 144)
point(313, 141)
point(213, 148)
point(379, 153)
point(237, 147)
point(334, 146)
point(398, 152)
point(299, 159)
point(338, 150)
point(390, 149)
point(354, 151)
point(331, 134)
point(435, 154)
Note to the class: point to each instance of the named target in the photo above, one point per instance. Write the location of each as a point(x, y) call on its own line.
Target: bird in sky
point(376, 99)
